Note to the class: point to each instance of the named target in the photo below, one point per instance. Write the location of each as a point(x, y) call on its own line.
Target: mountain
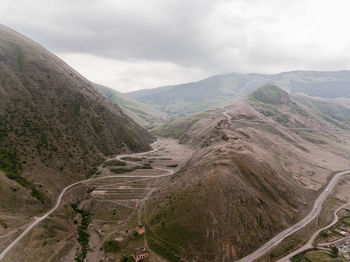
point(55, 126)
point(222, 90)
point(250, 177)
point(144, 115)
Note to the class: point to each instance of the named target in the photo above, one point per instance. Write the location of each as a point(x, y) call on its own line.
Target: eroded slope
point(251, 177)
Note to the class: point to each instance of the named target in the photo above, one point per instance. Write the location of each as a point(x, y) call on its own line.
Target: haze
point(130, 45)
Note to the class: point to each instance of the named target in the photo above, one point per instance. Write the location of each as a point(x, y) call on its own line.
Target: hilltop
point(249, 178)
point(271, 94)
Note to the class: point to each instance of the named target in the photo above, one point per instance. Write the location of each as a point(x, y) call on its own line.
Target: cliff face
point(55, 127)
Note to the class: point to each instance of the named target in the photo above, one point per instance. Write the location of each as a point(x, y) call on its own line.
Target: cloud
point(130, 75)
point(178, 40)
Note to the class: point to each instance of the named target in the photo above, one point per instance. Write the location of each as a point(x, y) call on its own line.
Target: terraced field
point(115, 202)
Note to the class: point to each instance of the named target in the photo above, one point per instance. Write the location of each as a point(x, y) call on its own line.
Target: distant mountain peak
point(271, 94)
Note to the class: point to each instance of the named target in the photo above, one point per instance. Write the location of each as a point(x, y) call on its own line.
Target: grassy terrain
point(269, 94)
point(143, 114)
point(216, 91)
point(328, 110)
point(114, 163)
point(177, 126)
point(321, 256)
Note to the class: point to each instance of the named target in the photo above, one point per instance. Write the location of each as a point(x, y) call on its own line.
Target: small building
point(140, 254)
point(140, 229)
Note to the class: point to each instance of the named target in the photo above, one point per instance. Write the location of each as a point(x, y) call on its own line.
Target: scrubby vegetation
point(176, 126)
point(111, 246)
point(11, 166)
point(129, 158)
point(143, 114)
point(48, 140)
point(122, 170)
point(83, 235)
point(271, 95)
point(114, 163)
point(145, 166)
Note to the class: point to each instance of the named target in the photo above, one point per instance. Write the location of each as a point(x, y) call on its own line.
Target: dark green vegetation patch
point(83, 235)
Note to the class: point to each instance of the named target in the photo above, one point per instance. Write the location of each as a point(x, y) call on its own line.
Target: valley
point(123, 195)
point(235, 167)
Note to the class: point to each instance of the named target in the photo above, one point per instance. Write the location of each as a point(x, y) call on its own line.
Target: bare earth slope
point(250, 177)
point(55, 127)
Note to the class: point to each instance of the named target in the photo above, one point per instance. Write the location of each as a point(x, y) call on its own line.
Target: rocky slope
point(55, 126)
point(250, 177)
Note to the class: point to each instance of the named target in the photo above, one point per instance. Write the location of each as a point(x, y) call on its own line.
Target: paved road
point(315, 211)
point(309, 244)
point(37, 220)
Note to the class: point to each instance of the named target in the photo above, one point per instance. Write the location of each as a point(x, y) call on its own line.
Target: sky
point(131, 45)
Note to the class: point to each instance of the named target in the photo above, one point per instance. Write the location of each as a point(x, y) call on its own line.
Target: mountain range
point(251, 155)
point(222, 90)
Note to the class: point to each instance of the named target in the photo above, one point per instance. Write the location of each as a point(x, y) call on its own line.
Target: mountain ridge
point(222, 90)
point(266, 158)
point(56, 128)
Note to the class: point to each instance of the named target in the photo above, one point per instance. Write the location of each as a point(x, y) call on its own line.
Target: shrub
point(111, 246)
point(114, 163)
point(173, 165)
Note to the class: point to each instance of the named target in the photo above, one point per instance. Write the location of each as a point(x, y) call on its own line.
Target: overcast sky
point(136, 44)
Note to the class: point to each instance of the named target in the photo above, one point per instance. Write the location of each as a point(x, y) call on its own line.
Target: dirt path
point(37, 220)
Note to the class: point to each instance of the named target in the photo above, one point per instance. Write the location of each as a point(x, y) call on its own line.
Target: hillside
point(178, 125)
point(250, 177)
point(329, 110)
point(271, 94)
point(144, 115)
point(222, 90)
point(55, 127)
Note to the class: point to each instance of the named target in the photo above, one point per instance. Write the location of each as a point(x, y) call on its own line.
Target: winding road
point(315, 211)
point(37, 220)
point(309, 243)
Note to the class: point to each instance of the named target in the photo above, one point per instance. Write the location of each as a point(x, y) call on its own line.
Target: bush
point(173, 165)
point(111, 246)
point(114, 163)
point(83, 235)
point(122, 170)
point(324, 234)
point(335, 250)
point(145, 166)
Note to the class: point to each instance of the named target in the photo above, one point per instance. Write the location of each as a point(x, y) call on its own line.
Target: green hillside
point(271, 94)
point(177, 126)
point(327, 109)
point(142, 114)
point(215, 91)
